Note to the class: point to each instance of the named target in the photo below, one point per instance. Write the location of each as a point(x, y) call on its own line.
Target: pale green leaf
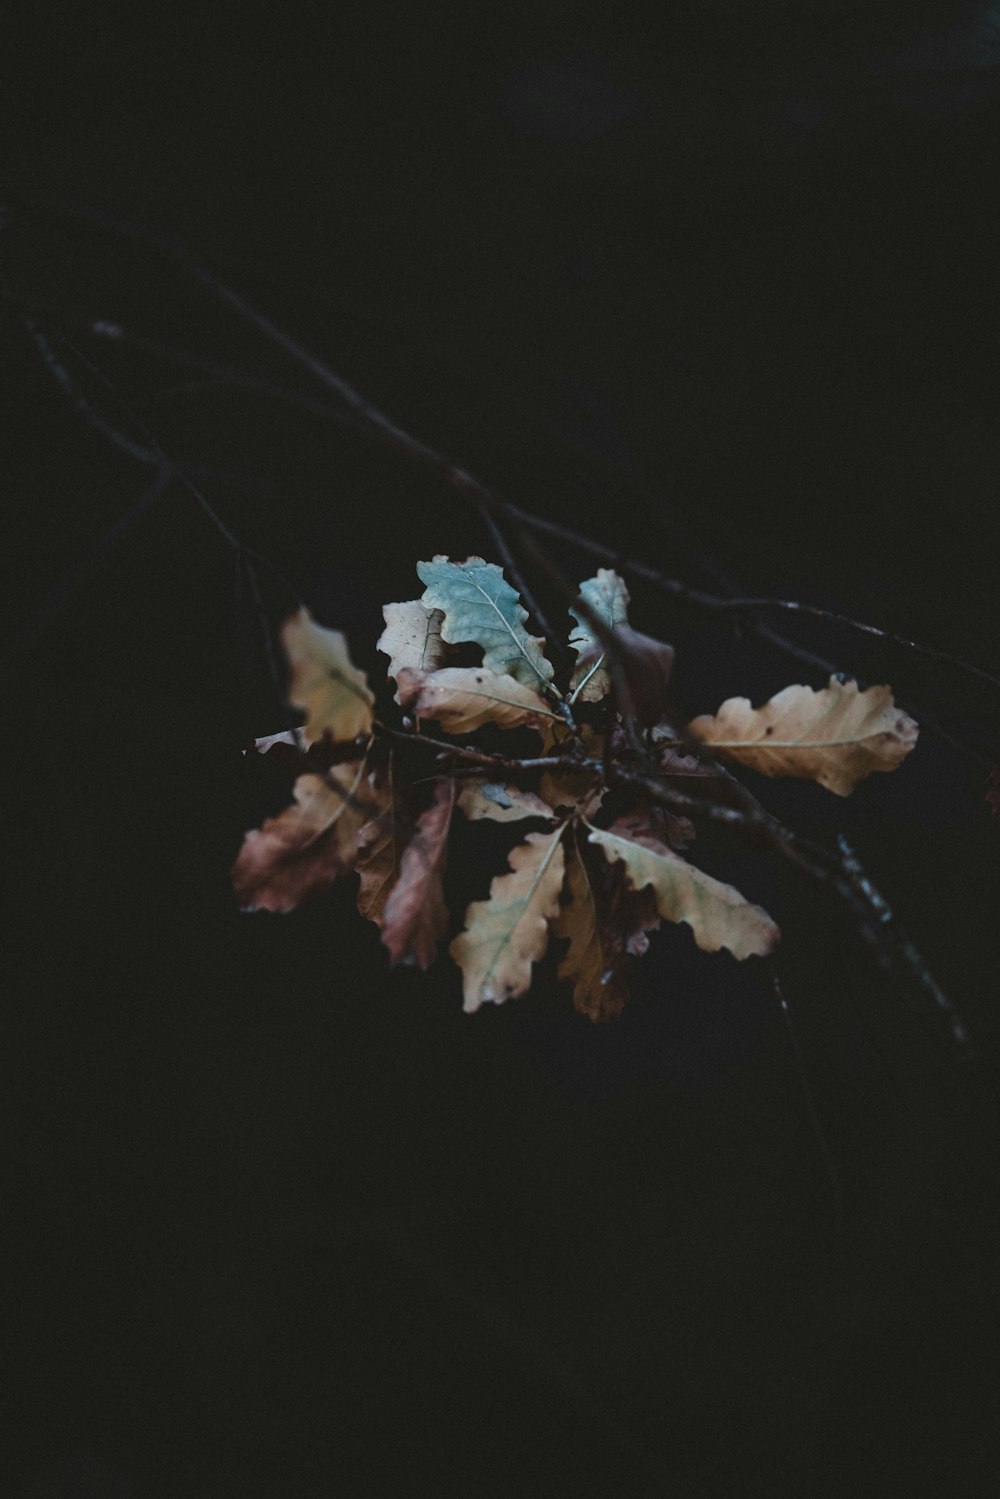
point(608, 597)
point(507, 933)
point(480, 606)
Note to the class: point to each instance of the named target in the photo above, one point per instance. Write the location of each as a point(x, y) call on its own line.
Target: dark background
point(722, 291)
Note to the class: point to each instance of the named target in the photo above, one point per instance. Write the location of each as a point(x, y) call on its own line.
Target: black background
point(278, 1221)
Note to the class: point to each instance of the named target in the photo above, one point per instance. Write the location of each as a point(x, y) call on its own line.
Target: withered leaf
point(718, 914)
point(593, 963)
point(500, 803)
point(576, 790)
point(645, 665)
point(381, 842)
point(306, 846)
point(292, 738)
point(606, 923)
point(415, 918)
point(463, 698)
point(412, 638)
point(332, 691)
point(837, 735)
point(507, 933)
point(657, 822)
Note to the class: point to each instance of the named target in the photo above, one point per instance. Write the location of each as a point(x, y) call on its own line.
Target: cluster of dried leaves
point(605, 862)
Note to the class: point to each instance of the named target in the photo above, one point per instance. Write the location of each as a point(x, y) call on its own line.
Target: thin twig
point(713, 603)
point(843, 874)
point(466, 485)
point(891, 944)
point(819, 1133)
point(70, 586)
point(472, 756)
point(149, 456)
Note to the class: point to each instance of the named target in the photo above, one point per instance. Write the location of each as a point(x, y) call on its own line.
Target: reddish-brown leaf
point(415, 918)
point(306, 846)
point(380, 848)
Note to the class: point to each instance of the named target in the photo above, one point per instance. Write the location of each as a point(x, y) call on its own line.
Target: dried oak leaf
point(412, 638)
point(718, 915)
point(573, 790)
point(381, 842)
point(463, 698)
point(604, 922)
point(507, 933)
point(645, 665)
point(332, 691)
point(500, 803)
point(415, 918)
point(480, 606)
point(837, 735)
point(305, 847)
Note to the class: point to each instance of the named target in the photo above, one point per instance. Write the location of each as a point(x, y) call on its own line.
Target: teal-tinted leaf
point(608, 597)
point(480, 606)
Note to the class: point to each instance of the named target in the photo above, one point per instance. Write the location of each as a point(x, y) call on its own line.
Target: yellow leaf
point(718, 915)
point(333, 693)
point(836, 736)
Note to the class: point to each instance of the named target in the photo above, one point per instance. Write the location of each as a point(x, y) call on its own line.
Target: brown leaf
point(332, 691)
point(507, 933)
point(594, 960)
point(645, 665)
point(305, 847)
point(380, 848)
point(836, 736)
point(463, 698)
point(415, 918)
point(658, 823)
point(412, 638)
point(718, 915)
point(574, 790)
